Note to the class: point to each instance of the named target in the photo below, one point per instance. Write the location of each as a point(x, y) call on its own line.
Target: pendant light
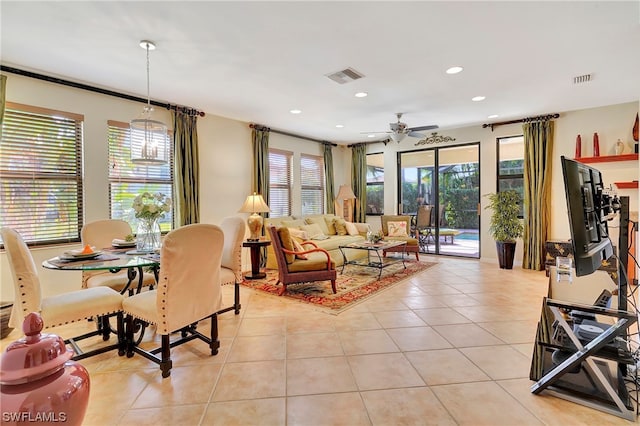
point(149, 138)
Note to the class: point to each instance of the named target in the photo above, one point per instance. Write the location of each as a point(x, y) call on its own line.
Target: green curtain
point(359, 181)
point(3, 87)
point(328, 178)
point(538, 155)
point(185, 138)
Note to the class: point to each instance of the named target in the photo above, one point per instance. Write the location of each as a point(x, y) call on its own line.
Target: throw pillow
point(287, 243)
point(318, 220)
point(298, 233)
point(341, 226)
point(330, 226)
point(351, 228)
point(313, 230)
point(397, 229)
point(299, 247)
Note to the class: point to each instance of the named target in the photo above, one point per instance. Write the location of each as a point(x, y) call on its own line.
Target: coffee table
point(375, 257)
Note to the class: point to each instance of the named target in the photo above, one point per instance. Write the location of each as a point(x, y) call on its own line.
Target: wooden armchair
point(293, 268)
point(391, 221)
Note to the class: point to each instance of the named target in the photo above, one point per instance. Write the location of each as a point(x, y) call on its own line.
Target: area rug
point(355, 285)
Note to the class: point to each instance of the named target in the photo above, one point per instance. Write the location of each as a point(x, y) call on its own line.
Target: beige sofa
point(330, 244)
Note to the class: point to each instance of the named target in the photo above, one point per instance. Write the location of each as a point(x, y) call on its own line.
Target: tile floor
point(451, 346)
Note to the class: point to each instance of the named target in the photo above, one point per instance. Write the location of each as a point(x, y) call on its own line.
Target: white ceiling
point(255, 61)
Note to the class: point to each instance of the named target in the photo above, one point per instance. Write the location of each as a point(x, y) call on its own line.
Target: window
point(127, 180)
point(41, 174)
point(312, 184)
point(280, 172)
point(375, 184)
point(511, 166)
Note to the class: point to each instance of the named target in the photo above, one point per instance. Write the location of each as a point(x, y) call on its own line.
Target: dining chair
point(79, 305)
point(188, 291)
point(234, 230)
point(424, 227)
point(100, 234)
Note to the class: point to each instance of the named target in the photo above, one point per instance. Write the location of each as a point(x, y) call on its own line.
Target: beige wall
point(611, 122)
point(226, 161)
point(225, 169)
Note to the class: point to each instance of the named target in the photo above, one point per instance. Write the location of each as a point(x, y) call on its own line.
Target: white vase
point(148, 236)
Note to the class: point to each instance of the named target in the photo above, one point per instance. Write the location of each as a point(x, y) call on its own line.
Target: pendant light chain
point(148, 92)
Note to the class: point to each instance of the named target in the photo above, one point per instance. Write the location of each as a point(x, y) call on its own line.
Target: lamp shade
point(254, 204)
point(397, 137)
point(345, 193)
point(149, 142)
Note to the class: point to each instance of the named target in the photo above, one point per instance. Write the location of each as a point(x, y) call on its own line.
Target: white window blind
point(312, 184)
point(41, 174)
point(127, 180)
point(280, 172)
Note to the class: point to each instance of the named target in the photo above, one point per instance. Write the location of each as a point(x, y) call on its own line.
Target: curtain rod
point(186, 110)
point(522, 120)
point(281, 132)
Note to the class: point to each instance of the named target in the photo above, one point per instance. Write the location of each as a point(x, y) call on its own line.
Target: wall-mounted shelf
point(608, 158)
point(627, 185)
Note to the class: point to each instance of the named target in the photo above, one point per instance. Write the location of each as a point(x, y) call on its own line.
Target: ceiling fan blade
point(369, 133)
point(424, 127)
point(416, 134)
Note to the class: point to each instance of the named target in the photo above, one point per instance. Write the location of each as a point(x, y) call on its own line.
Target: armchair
point(188, 291)
point(397, 222)
point(79, 305)
point(318, 265)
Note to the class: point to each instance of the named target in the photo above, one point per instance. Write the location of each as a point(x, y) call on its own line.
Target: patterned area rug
point(355, 285)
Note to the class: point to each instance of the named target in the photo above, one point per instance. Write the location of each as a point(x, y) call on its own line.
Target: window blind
point(280, 172)
point(127, 179)
point(41, 174)
point(312, 184)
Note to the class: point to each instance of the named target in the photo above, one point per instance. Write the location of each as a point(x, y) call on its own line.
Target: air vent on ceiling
point(345, 76)
point(582, 79)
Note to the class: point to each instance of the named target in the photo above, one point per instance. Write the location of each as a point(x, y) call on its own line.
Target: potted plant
point(505, 226)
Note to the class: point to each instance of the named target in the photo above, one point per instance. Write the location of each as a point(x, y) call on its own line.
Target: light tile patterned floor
point(450, 346)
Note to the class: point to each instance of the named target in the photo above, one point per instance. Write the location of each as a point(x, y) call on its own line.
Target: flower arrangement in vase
point(148, 209)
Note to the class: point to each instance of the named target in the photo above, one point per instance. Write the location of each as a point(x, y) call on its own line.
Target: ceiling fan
point(399, 130)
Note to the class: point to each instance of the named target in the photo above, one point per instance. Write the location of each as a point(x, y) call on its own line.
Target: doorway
point(444, 183)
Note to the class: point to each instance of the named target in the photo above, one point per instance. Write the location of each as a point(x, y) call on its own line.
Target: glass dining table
point(113, 261)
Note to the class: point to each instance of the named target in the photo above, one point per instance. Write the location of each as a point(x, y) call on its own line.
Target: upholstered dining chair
point(100, 234)
point(297, 266)
point(188, 291)
point(234, 229)
point(79, 305)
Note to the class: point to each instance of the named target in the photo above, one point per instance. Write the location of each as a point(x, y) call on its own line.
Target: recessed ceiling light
point(478, 98)
point(361, 95)
point(339, 126)
point(295, 111)
point(493, 116)
point(371, 136)
point(454, 70)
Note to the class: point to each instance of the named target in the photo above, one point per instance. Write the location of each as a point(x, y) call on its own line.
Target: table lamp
point(345, 193)
point(254, 204)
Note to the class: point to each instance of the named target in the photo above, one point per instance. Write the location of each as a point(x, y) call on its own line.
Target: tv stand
point(588, 372)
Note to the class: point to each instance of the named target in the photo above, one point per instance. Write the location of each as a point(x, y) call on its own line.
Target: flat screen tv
point(588, 206)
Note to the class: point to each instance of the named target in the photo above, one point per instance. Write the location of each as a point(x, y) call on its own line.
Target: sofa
point(302, 228)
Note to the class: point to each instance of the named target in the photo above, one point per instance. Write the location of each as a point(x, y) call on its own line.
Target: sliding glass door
point(444, 184)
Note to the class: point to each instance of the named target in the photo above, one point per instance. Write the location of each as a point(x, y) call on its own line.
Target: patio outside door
point(452, 195)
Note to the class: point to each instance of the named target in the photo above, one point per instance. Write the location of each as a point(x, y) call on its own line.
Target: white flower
point(149, 206)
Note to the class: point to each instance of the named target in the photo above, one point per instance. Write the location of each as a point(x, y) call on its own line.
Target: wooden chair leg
point(333, 286)
point(417, 258)
point(215, 343)
point(165, 364)
point(236, 298)
point(129, 336)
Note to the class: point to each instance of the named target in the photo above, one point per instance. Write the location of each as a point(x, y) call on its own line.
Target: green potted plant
point(505, 226)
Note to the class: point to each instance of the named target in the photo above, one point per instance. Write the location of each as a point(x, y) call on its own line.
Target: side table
point(255, 247)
